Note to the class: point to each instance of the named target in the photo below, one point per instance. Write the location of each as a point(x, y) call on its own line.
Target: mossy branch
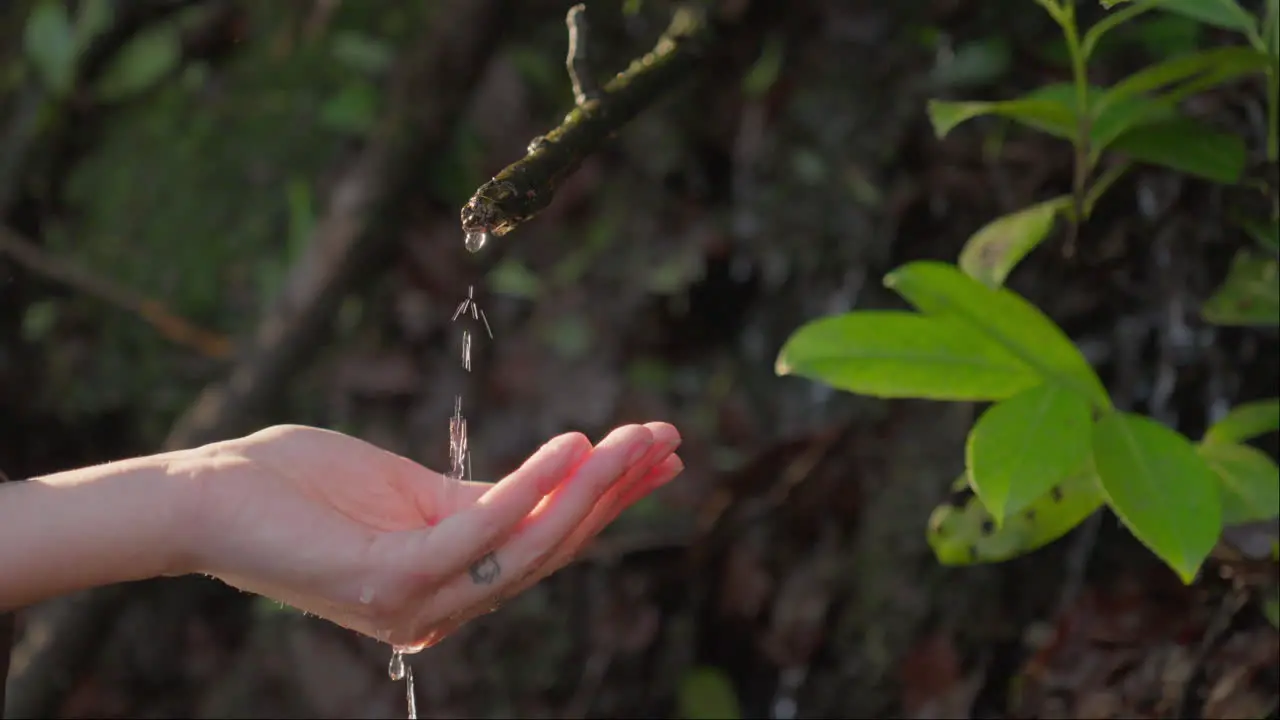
point(527, 186)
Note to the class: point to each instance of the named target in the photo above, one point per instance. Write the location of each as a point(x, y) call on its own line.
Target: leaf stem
point(1065, 15)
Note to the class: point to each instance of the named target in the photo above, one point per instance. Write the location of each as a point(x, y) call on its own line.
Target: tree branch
point(527, 186)
point(173, 327)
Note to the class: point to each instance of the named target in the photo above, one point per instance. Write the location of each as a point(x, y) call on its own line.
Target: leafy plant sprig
point(1052, 421)
point(1053, 449)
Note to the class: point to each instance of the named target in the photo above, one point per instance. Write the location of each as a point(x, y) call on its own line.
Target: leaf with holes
point(1002, 317)
point(962, 531)
point(1245, 422)
point(1249, 481)
point(991, 254)
point(1160, 488)
point(1023, 446)
point(894, 354)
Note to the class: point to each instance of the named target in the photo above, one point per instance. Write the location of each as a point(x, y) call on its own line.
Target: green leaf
point(1124, 116)
point(1187, 146)
point(1023, 446)
point(514, 279)
point(1249, 296)
point(1160, 488)
point(1245, 422)
point(361, 52)
point(895, 354)
point(1250, 482)
point(1042, 113)
point(973, 64)
point(1003, 317)
point(141, 63)
point(766, 70)
point(706, 693)
point(353, 110)
point(991, 254)
point(1217, 66)
point(1220, 13)
point(50, 44)
point(1168, 35)
point(92, 20)
point(1267, 236)
point(963, 532)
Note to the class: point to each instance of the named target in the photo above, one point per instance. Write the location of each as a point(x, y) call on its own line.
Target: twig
point(578, 62)
point(354, 242)
point(176, 329)
point(527, 186)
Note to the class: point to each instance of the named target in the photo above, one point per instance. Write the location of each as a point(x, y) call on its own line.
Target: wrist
point(199, 476)
point(118, 522)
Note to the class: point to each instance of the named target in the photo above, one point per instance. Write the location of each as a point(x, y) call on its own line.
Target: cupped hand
point(377, 543)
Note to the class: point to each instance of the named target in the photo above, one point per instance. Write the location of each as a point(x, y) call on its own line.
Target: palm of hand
point(375, 542)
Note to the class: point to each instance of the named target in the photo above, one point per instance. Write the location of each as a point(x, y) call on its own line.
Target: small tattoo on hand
point(485, 570)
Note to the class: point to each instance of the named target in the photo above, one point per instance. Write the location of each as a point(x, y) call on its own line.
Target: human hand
point(344, 530)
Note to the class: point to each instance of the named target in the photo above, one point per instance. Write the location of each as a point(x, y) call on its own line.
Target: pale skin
point(329, 524)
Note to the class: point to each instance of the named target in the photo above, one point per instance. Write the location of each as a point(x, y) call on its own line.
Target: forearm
point(94, 526)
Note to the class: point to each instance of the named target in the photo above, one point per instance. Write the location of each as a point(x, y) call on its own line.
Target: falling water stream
point(459, 464)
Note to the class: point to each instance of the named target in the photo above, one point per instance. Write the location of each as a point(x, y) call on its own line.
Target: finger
point(654, 470)
point(446, 549)
point(664, 434)
point(492, 571)
point(665, 441)
point(659, 475)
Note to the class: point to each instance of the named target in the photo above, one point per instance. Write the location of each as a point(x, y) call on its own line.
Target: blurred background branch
point(151, 311)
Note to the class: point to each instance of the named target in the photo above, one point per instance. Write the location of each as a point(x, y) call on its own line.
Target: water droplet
point(396, 668)
point(476, 239)
point(366, 595)
point(409, 649)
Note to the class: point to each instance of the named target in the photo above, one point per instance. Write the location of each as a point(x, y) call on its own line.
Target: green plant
point(54, 43)
point(1053, 449)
